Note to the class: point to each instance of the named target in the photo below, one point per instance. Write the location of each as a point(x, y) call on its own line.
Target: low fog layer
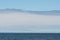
point(26, 22)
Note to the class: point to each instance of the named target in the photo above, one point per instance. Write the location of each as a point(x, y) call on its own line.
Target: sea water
point(29, 36)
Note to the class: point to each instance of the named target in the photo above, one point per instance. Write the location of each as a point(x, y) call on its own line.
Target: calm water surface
point(29, 36)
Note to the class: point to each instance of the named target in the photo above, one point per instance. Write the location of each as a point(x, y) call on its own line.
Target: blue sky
point(36, 5)
point(21, 22)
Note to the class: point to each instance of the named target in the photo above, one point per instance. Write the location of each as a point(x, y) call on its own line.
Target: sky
point(35, 5)
point(26, 22)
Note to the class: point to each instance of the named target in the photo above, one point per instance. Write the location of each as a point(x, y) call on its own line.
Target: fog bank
point(25, 22)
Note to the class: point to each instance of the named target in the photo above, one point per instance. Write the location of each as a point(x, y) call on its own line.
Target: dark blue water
point(29, 36)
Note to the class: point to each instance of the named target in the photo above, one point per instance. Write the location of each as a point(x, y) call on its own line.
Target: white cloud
point(23, 22)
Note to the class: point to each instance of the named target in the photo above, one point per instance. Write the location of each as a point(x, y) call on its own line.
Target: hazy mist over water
point(26, 22)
